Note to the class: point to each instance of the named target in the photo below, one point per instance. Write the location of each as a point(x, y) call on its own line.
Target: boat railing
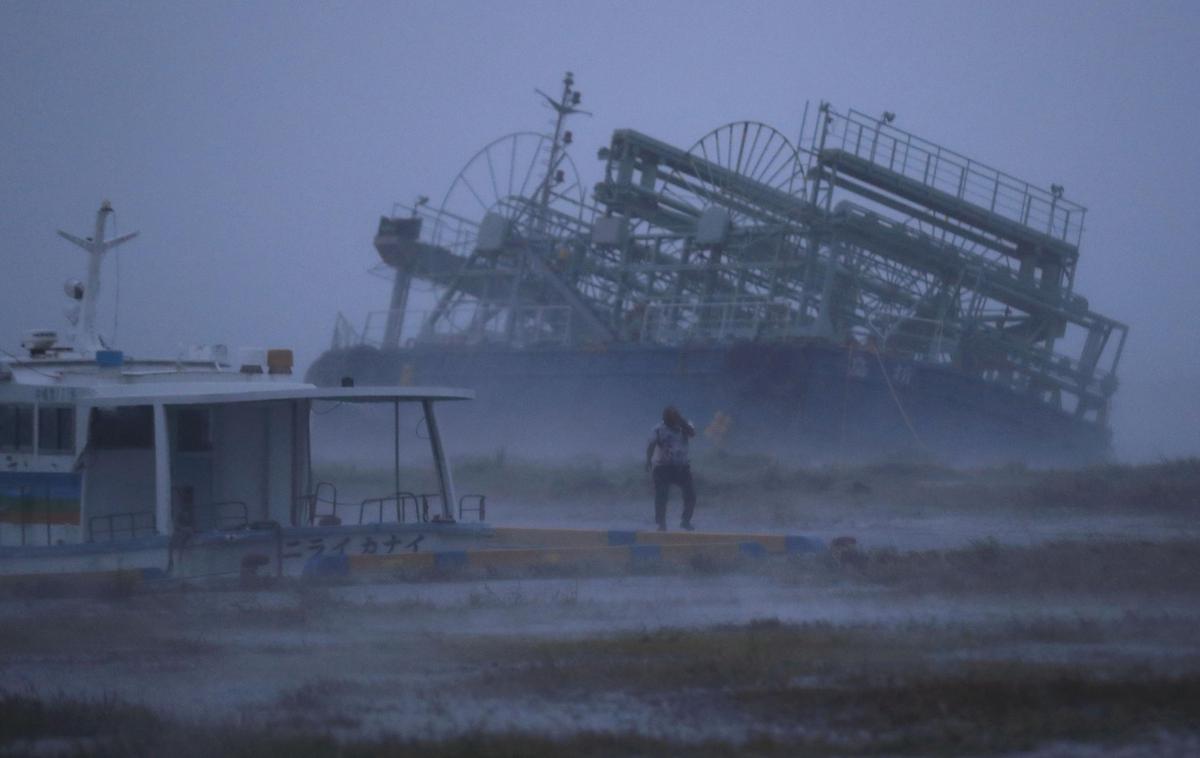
point(399, 500)
point(306, 508)
point(426, 498)
point(407, 506)
point(115, 526)
point(479, 508)
point(320, 507)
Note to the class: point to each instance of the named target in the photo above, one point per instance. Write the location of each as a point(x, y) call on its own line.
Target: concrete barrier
point(569, 550)
point(775, 544)
point(481, 550)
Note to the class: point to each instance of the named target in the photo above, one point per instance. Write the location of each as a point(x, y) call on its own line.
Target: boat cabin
point(110, 462)
point(141, 460)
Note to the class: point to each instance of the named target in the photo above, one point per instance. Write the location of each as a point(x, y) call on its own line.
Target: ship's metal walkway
point(872, 151)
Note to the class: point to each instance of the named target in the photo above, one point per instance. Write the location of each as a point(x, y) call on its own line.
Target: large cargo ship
point(859, 295)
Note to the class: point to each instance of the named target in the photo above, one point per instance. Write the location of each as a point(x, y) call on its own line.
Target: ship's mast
point(88, 340)
point(565, 106)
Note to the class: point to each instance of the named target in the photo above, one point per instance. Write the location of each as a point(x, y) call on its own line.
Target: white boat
point(190, 466)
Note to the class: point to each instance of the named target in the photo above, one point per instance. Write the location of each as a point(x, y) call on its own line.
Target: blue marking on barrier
point(795, 543)
point(326, 565)
point(752, 549)
point(450, 559)
point(645, 553)
point(621, 537)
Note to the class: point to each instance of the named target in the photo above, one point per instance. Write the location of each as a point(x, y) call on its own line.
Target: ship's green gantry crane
point(862, 232)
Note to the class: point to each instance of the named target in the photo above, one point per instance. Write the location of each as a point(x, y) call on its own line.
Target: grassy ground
point(1044, 611)
point(1069, 647)
point(987, 710)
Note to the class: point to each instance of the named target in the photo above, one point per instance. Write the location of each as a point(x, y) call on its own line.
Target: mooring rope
point(899, 405)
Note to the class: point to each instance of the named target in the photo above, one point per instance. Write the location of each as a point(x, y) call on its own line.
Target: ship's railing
point(344, 333)
point(529, 219)
point(375, 326)
point(675, 323)
point(954, 174)
point(472, 323)
point(444, 229)
point(373, 329)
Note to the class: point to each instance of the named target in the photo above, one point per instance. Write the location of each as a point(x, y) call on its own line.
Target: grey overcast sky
point(255, 144)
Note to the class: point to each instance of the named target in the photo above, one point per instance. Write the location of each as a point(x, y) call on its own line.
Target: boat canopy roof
point(220, 393)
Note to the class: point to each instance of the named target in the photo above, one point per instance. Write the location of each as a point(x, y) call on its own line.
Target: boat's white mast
point(88, 340)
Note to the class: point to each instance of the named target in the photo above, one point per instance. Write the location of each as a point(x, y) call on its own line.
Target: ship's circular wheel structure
point(753, 173)
point(512, 177)
point(740, 166)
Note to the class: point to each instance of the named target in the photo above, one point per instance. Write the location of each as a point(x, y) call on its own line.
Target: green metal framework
point(862, 232)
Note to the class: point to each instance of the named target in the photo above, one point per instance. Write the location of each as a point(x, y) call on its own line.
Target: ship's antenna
point(566, 105)
point(88, 339)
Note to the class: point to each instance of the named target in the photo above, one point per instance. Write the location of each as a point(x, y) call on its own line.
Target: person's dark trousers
point(664, 476)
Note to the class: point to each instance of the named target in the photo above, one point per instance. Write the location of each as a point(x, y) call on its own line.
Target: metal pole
point(396, 446)
point(439, 459)
point(563, 109)
point(394, 326)
point(162, 472)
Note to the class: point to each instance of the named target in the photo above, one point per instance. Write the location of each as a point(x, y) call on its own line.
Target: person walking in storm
point(667, 457)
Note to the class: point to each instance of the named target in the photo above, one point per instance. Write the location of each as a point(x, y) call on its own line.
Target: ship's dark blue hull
point(809, 401)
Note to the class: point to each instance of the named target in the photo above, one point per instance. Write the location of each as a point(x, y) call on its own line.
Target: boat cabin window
point(56, 429)
point(193, 430)
point(16, 427)
point(120, 428)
